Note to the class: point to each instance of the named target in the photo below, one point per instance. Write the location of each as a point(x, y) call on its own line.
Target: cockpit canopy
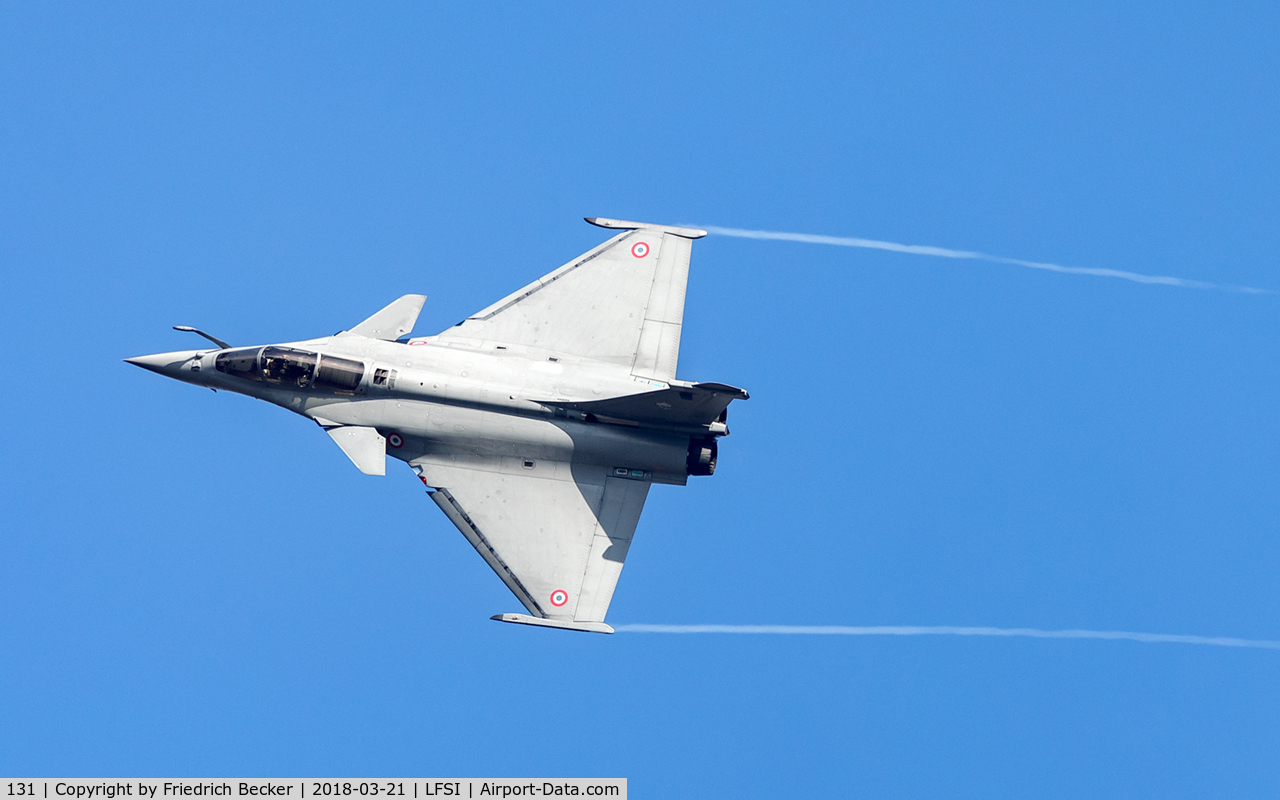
point(292, 369)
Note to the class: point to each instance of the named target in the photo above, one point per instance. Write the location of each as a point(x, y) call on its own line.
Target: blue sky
point(195, 584)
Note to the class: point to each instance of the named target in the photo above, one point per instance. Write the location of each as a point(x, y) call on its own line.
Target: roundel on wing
point(559, 597)
point(395, 440)
point(640, 249)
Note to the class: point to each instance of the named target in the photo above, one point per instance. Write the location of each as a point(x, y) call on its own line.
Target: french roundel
point(395, 440)
point(640, 249)
point(559, 597)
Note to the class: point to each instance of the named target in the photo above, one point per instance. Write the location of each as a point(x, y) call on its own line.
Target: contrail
point(943, 252)
point(950, 630)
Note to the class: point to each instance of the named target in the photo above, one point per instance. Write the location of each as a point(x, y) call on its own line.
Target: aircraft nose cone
point(153, 362)
point(164, 363)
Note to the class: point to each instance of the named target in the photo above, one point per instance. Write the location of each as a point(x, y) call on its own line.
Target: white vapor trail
point(943, 252)
point(950, 630)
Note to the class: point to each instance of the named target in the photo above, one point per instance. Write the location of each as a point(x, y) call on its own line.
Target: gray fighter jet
point(537, 424)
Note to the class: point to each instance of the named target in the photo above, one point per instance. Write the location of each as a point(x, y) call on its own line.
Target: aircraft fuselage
point(430, 398)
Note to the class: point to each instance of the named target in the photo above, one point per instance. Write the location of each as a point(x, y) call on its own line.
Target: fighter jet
point(537, 424)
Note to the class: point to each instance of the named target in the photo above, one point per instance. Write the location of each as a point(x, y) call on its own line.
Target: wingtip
point(628, 225)
point(564, 625)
